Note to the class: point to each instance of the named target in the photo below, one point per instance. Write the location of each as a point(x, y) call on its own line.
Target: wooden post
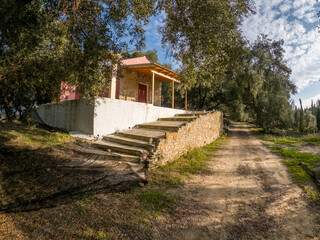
point(113, 83)
point(152, 95)
point(185, 100)
point(172, 94)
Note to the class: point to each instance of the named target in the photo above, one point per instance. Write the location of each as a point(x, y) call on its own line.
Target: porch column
point(185, 99)
point(113, 83)
point(172, 99)
point(152, 95)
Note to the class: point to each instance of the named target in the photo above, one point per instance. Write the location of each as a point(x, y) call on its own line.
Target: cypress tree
point(302, 125)
point(318, 118)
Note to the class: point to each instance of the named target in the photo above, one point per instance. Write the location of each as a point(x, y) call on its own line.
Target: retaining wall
point(112, 115)
point(198, 133)
point(74, 115)
point(104, 117)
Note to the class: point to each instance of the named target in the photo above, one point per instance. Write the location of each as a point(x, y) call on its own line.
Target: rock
point(310, 144)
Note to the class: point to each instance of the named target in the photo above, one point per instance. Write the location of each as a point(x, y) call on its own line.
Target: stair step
point(129, 141)
point(120, 148)
point(112, 156)
point(122, 157)
point(144, 134)
point(87, 151)
point(92, 165)
point(192, 114)
point(181, 118)
point(163, 125)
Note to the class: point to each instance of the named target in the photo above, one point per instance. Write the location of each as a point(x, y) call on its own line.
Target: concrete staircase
point(130, 148)
point(136, 145)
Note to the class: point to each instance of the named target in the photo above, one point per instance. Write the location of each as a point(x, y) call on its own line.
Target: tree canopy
point(48, 41)
point(151, 55)
point(203, 34)
point(254, 86)
point(45, 42)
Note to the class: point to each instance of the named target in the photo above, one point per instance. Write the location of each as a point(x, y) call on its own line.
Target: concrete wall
point(106, 116)
point(113, 114)
point(73, 115)
point(198, 133)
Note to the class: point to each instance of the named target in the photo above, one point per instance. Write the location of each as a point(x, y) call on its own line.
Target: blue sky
point(153, 40)
point(294, 21)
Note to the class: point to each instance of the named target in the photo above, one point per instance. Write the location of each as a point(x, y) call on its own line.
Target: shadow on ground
point(32, 179)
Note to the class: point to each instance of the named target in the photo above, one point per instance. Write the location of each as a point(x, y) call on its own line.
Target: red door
point(118, 88)
point(142, 93)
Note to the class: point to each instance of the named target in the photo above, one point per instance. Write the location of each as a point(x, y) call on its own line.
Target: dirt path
point(249, 195)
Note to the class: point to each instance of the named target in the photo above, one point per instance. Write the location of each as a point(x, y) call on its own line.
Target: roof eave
point(175, 75)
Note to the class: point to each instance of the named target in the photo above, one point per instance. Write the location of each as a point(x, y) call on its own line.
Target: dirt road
point(249, 195)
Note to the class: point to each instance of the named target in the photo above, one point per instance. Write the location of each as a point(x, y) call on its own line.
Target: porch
point(141, 81)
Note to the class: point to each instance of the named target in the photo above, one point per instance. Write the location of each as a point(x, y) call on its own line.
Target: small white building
point(131, 99)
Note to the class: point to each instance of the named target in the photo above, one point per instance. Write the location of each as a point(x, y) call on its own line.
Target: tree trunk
point(301, 123)
point(8, 112)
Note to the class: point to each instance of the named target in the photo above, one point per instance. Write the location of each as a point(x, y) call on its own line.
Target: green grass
point(289, 140)
point(28, 135)
point(190, 163)
point(312, 138)
point(101, 235)
point(312, 194)
point(257, 129)
point(292, 160)
point(172, 174)
point(279, 140)
point(155, 199)
point(47, 138)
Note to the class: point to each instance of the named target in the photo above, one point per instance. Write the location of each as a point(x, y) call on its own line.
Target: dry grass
point(39, 200)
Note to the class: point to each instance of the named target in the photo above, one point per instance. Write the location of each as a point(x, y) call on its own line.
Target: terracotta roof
point(135, 61)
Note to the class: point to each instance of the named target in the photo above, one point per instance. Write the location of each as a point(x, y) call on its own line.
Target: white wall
point(111, 115)
point(74, 115)
point(106, 116)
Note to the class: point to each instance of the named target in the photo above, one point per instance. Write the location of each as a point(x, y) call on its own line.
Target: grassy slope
point(21, 135)
point(310, 138)
point(286, 147)
point(117, 215)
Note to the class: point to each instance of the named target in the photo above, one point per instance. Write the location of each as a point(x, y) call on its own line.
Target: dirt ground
point(249, 194)
point(245, 193)
point(311, 148)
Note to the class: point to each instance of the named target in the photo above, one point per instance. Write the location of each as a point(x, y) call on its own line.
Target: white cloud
point(307, 102)
point(284, 8)
point(290, 21)
point(310, 17)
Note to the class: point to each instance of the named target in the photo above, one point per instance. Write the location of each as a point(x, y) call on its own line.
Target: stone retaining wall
point(204, 130)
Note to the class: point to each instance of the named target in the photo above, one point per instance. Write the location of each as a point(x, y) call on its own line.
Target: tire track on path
point(249, 195)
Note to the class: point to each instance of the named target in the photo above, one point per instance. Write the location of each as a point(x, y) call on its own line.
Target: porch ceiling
point(161, 73)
